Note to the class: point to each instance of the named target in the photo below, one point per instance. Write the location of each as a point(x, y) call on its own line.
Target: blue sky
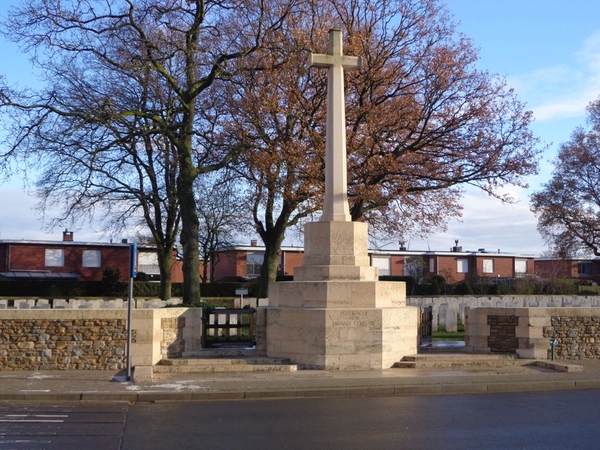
point(549, 52)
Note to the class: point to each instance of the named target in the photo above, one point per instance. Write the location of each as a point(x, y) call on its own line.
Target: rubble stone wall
point(578, 337)
point(63, 343)
point(577, 331)
point(95, 339)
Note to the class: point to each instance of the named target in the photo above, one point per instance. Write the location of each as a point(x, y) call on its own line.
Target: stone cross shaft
point(335, 205)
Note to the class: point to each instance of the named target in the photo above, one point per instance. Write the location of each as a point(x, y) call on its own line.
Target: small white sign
point(241, 292)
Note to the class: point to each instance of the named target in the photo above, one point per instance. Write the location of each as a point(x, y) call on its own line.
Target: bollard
point(553, 343)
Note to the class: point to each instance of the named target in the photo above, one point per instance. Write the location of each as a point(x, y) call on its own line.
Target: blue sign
point(133, 260)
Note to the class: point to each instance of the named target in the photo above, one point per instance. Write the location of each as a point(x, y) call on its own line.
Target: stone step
point(449, 361)
point(445, 347)
point(222, 352)
point(224, 364)
point(461, 356)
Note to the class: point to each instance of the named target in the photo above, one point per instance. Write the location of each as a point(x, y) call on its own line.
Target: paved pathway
point(108, 386)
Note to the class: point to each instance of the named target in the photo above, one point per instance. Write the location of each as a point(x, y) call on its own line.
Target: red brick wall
point(503, 267)
point(397, 265)
point(565, 269)
point(448, 265)
point(232, 263)
point(33, 257)
point(177, 271)
point(291, 260)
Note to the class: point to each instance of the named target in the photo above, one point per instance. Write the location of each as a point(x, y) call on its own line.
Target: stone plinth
point(337, 294)
point(341, 244)
point(335, 315)
point(342, 338)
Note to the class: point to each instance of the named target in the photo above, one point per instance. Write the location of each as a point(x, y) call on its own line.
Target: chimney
point(67, 235)
point(456, 248)
point(253, 243)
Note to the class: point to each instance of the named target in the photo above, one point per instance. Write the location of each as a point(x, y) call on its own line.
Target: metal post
point(129, 318)
point(132, 274)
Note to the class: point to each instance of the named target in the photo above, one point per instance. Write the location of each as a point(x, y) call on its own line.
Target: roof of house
point(143, 248)
point(480, 252)
point(37, 275)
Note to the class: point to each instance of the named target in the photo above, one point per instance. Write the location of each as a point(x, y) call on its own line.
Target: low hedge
point(75, 289)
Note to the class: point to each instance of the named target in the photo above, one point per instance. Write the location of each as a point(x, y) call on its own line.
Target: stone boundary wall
point(576, 329)
point(446, 308)
point(578, 336)
point(58, 303)
point(119, 303)
point(95, 339)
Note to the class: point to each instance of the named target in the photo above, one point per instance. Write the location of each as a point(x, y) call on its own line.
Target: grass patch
point(589, 290)
point(448, 336)
point(442, 335)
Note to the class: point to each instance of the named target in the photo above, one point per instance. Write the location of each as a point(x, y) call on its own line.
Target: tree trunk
point(189, 229)
point(165, 265)
point(268, 270)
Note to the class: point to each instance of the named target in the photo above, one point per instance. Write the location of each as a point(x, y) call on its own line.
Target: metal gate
point(426, 325)
point(228, 327)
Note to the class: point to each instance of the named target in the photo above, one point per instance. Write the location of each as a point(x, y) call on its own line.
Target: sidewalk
point(111, 386)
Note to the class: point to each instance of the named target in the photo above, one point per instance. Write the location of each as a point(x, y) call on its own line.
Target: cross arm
point(347, 62)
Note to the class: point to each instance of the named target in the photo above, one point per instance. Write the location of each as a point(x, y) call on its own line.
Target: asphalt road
point(536, 420)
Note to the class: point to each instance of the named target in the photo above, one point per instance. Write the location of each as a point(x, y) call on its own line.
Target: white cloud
point(19, 220)
point(563, 91)
point(490, 224)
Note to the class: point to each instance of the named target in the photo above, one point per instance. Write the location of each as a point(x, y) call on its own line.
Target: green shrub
point(438, 285)
point(142, 276)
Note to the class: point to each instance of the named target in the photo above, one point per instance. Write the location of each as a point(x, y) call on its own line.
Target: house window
point(431, 265)
point(462, 265)
point(382, 263)
point(520, 267)
point(488, 266)
point(253, 264)
point(91, 258)
point(54, 257)
point(584, 269)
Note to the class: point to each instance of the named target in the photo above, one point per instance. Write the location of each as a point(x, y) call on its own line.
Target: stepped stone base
point(342, 339)
point(337, 294)
point(336, 315)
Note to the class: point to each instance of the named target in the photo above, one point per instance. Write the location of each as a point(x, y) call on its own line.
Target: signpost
point(241, 292)
point(553, 344)
point(132, 274)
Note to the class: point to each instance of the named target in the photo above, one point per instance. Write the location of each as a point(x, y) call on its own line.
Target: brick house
point(66, 259)
point(587, 269)
point(455, 265)
point(245, 261)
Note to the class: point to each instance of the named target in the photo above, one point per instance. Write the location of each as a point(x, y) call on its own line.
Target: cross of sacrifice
point(335, 205)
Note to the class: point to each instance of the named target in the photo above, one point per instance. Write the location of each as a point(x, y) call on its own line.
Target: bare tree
point(568, 205)
point(223, 218)
point(95, 48)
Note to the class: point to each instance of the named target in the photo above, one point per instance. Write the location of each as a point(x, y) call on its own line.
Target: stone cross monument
point(335, 204)
point(336, 314)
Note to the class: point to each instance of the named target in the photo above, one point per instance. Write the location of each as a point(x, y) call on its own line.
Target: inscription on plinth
point(355, 319)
